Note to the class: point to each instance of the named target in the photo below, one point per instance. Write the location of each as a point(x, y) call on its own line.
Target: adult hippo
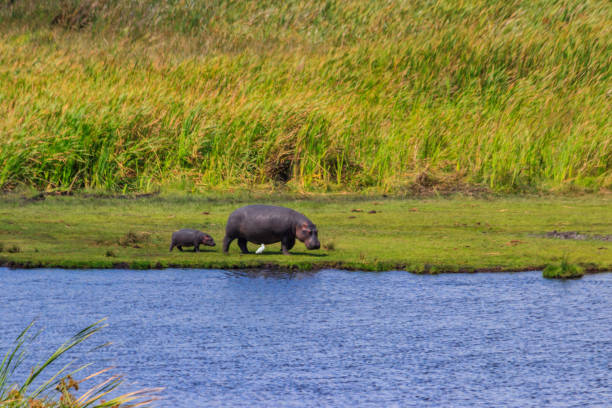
point(267, 224)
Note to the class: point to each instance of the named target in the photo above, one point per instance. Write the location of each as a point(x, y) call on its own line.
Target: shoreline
point(276, 268)
point(271, 267)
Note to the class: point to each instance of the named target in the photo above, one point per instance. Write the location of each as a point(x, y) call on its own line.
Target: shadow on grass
point(276, 253)
point(191, 251)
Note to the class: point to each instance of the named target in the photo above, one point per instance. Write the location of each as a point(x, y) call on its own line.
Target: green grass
point(423, 236)
point(563, 270)
point(384, 96)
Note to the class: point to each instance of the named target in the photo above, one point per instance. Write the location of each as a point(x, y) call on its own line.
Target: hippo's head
point(207, 240)
point(307, 233)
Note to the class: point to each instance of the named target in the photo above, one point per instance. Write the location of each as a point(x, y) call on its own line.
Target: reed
point(13, 395)
point(306, 95)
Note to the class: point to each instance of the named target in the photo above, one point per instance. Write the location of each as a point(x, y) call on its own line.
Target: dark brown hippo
point(267, 224)
point(190, 237)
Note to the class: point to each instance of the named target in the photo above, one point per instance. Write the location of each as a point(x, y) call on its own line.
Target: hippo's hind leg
point(242, 243)
point(287, 244)
point(226, 243)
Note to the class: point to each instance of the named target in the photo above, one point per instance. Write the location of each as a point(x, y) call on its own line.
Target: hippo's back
point(259, 210)
point(185, 235)
point(264, 222)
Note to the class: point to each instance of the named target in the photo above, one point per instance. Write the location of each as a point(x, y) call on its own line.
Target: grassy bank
point(391, 96)
point(424, 236)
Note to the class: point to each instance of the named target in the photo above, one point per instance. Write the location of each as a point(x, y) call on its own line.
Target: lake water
point(333, 338)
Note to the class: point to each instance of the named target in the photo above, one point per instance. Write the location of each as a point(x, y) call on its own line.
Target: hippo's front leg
point(196, 247)
point(286, 244)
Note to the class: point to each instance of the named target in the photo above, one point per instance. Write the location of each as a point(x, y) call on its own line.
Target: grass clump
point(563, 270)
point(329, 246)
point(25, 395)
point(133, 239)
point(13, 249)
point(305, 95)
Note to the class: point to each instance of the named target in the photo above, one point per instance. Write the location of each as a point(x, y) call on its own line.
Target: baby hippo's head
point(307, 233)
point(207, 240)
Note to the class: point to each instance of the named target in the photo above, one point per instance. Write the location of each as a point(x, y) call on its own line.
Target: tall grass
point(332, 95)
point(13, 395)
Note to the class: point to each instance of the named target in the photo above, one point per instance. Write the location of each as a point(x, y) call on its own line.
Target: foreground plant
point(13, 395)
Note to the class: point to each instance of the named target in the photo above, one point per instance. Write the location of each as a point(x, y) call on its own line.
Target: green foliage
point(563, 270)
point(311, 95)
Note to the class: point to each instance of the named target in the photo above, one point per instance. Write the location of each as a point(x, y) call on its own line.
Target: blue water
point(333, 338)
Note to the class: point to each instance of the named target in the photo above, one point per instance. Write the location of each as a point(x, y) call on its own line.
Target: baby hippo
point(190, 237)
point(267, 224)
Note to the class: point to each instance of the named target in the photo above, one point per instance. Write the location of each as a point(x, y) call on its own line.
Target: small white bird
point(260, 249)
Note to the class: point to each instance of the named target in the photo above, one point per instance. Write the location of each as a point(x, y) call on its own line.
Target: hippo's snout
point(313, 245)
point(208, 241)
